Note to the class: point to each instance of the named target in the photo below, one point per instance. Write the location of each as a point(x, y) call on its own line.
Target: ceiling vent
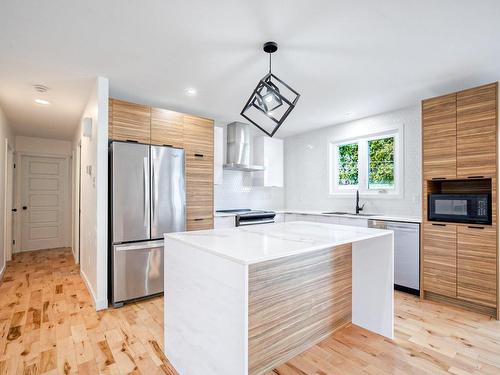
point(41, 88)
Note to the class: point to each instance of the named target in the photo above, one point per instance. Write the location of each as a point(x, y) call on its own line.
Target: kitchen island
point(242, 301)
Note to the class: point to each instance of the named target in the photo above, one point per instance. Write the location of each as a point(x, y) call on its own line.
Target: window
point(381, 163)
point(368, 164)
point(348, 165)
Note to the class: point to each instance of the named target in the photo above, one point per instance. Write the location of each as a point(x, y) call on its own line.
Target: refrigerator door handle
point(140, 246)
point(145, 200)
point(153, 191)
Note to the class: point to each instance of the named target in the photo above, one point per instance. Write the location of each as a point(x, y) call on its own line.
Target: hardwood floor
point(48, 326)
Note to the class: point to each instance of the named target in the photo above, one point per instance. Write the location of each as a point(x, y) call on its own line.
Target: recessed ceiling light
point(191, 91)
point(42, 101)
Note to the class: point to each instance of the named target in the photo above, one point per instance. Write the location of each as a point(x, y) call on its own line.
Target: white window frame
point(336, 190)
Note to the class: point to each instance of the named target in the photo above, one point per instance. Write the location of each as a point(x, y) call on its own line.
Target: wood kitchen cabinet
point(439, 134)
point(110, 118)
point(476, 132)
point(199, 148)
point(130, 122)
point(440, 259)
point(477, 264)
point(459, 154)
point(167, 128)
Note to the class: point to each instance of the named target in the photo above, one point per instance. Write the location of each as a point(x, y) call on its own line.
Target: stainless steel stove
point(246, 216)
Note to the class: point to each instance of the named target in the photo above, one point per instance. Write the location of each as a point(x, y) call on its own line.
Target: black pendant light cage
point(271, 101)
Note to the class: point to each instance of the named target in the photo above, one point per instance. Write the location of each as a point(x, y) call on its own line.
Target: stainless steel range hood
point(238, 148)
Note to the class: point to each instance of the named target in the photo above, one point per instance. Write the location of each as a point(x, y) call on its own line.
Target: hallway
point(49, 326)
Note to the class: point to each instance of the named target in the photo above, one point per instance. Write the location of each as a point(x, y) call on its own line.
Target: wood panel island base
point(242, 301)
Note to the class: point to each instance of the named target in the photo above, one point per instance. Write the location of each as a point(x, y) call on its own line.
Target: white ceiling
point(359, 57)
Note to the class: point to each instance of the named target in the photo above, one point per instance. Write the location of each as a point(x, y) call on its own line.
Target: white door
point(44, 192)
point(9, 182)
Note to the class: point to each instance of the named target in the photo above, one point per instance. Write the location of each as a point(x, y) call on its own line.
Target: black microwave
point(460, 208)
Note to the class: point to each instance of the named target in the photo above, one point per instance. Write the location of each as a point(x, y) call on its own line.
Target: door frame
point(18, 192)
point(8, 187)
point(76, 203)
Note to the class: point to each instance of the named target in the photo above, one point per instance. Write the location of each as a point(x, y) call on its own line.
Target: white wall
point(94, 194)
point(42, 146)
point(5, 132)
point(237, 190)
point(306, 165)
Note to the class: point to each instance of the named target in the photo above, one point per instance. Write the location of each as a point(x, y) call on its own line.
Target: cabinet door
point(439, 133)
point(198, 144)
point(110, 118)
point(476, 132)
point(477, 264)
point(200, 224)
point(440, 259)
point(355, 222)
point(167, 128)
point(199, 135)
point(131, 122)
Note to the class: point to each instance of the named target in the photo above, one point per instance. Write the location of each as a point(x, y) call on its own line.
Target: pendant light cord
point(270, 62)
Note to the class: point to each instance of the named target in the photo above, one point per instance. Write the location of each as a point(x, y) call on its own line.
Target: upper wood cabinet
point(199, 136)
point(440, 259)
point(130, 122)
point(439, 134)
point(110, 118)
point(476, 132)
point(477, 264)
point(167, 127)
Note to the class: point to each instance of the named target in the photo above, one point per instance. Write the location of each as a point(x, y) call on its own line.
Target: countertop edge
point(172, 236)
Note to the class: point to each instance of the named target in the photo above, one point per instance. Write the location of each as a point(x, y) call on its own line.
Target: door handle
point(14, 210)
point(25, 207)
point(199, 155)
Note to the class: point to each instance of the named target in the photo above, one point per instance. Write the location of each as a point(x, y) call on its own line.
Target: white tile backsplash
point(237, 191)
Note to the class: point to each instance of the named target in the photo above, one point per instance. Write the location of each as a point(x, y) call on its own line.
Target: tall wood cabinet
point(459, 262)
point(158, 126)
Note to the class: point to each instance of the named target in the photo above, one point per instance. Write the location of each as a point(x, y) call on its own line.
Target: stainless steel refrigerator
point(147, 199)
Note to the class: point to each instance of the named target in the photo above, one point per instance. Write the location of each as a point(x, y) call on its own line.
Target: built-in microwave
point(460, 208)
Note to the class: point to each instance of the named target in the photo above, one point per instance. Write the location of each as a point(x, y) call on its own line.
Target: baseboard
point(466, 305)
point(98, 304)
point(74, 256)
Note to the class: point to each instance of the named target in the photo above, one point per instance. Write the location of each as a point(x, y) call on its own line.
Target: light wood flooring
point(48, 326)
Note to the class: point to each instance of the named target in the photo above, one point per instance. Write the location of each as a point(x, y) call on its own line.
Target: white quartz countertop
point(258, 243)
point(387, 217)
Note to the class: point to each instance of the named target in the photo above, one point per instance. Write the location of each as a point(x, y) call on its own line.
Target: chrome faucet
point(358, 209)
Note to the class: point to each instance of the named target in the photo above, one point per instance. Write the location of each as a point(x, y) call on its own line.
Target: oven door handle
point(245, 223)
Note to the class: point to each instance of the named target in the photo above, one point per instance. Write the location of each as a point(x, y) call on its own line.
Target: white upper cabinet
point(218, 155)
point(269, 153)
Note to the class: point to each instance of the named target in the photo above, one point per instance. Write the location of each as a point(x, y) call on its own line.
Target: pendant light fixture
point(271, 101)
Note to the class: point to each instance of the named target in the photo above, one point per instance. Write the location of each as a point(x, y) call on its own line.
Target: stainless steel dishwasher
point(406, 253)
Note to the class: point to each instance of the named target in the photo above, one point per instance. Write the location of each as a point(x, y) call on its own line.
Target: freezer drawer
point(137, 270)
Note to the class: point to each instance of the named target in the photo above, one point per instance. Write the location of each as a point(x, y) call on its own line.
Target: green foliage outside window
point(348, 164)
point(381, 163)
